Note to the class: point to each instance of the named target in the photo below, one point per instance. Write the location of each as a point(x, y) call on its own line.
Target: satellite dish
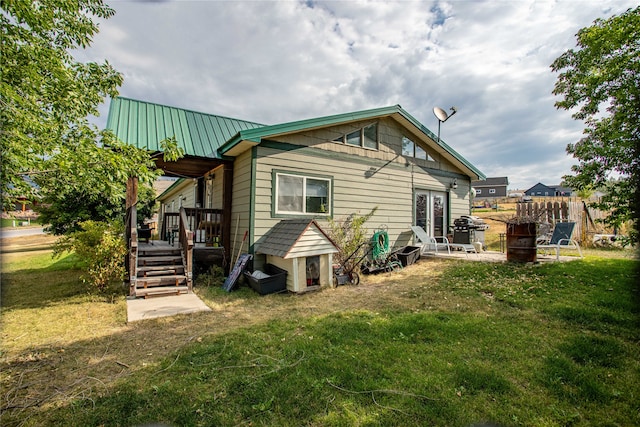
point(440, 114)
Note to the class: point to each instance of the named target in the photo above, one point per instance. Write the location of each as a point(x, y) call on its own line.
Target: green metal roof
point(144, 125)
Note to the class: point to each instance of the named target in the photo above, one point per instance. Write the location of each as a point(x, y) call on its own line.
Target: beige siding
point(312, 242)
point(241, 203)
point(289, 265)
point(380, 178)
point(183, 193)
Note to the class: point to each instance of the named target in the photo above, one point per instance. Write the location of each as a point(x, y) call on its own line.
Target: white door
point(431, 212)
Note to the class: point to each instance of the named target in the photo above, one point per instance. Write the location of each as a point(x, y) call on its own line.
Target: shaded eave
point(246, 139)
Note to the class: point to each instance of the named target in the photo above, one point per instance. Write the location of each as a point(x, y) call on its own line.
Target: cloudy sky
point(280, 61)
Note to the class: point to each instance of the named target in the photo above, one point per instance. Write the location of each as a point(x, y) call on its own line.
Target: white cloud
point(280, 61)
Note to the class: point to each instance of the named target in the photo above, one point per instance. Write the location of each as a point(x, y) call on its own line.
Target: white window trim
point(304, 177)
point(492, 191)
point(343, 139)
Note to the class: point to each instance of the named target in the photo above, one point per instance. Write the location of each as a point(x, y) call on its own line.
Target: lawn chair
point(438, 244)
point(429, 244)
point(561, 238)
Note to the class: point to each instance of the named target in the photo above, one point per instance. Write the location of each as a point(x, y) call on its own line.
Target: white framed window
point(411, 149)
point(366, 137)
point(302, 194)
point(478, 191)
point(492, 191)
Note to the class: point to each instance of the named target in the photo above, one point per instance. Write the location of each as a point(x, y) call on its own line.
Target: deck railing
point(131, 237)
point(186, 245)
point(206, 225)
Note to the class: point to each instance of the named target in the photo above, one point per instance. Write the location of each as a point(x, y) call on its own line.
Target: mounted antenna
point(442, 116)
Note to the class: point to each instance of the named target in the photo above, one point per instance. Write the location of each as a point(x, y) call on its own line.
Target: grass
point(443, 343)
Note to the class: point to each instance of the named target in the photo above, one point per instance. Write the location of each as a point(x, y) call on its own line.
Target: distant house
point(541, 190)
point(491, 187)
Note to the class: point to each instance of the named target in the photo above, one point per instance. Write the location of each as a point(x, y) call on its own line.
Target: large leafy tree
point(47, 98)
point(600, 83)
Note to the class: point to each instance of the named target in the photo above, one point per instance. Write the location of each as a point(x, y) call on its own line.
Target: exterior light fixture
point(454, 183)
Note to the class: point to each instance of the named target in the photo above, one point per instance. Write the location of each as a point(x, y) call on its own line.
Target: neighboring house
point(491, 187)
point(251, 176)
point(541, 190)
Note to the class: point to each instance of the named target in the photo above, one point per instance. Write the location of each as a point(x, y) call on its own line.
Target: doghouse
point(303, 249)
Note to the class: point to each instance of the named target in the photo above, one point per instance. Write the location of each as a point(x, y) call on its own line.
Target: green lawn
point(443, 343)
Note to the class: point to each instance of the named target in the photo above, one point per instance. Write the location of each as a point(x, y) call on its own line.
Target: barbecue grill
point(469, 229)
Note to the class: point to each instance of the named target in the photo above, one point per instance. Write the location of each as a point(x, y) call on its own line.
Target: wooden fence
point(586, 218)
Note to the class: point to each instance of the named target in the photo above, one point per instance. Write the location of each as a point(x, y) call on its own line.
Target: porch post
point(132, 191)
point(227, 196)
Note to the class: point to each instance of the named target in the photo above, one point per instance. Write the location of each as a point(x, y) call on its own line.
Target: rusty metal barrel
point(521, 242)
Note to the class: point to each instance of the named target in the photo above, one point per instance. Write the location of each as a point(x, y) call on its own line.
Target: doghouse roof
point(296, 238)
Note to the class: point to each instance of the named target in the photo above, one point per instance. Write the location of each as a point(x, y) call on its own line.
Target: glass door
point(431, 212)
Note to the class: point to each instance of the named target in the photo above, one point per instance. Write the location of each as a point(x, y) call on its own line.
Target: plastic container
point(275, 282)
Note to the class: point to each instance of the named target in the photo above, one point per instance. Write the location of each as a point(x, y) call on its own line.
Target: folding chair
point(561, 238)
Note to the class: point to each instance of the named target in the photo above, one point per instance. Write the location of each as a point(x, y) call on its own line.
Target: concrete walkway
point(152, 308)
point(490, 256)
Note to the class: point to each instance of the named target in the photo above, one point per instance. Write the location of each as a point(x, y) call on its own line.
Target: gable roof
point(491, 181)
point(250, 137)
point(145, 124)
point(283, 237)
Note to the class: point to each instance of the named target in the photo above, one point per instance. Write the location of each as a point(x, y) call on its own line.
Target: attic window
point(411, 149)
point(366, 137)
point(299, 194)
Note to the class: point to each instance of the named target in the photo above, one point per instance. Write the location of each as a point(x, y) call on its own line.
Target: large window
point(299, 194)
point(411, 149)
point(366, 137)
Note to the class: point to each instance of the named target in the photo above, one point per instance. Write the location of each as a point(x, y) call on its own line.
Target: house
point(541, 190)
point(491, 187)
point(241, 176)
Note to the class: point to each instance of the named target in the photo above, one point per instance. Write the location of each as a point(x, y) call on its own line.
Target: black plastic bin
point(276, 282)
point(408, 255)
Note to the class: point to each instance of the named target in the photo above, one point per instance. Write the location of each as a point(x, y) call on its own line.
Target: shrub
point(350, 235)
point(101, 247)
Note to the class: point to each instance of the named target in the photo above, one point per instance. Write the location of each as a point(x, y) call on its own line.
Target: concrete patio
point(152, 308)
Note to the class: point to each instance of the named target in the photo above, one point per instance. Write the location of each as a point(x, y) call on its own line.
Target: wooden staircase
point(160, 271)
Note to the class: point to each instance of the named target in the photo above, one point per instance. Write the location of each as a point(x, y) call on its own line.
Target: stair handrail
point(186, 245)
point(131, 263)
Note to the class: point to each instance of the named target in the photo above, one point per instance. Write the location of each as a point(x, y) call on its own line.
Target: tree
point(46, 98)
point(600, 81)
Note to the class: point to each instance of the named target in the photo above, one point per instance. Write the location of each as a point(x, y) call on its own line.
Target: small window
point(298, 194)
point(478, 191)
point(492, 191)
point(420, 153)
point(370, 137)
point(407, 147)
point(366, 137)
point(411, 149)
point(353, 138)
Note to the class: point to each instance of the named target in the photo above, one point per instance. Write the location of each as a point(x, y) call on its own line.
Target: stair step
point(169, 280)
point(162, 252)
point(163, 267)
point(163, 291)
point(158, 260)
